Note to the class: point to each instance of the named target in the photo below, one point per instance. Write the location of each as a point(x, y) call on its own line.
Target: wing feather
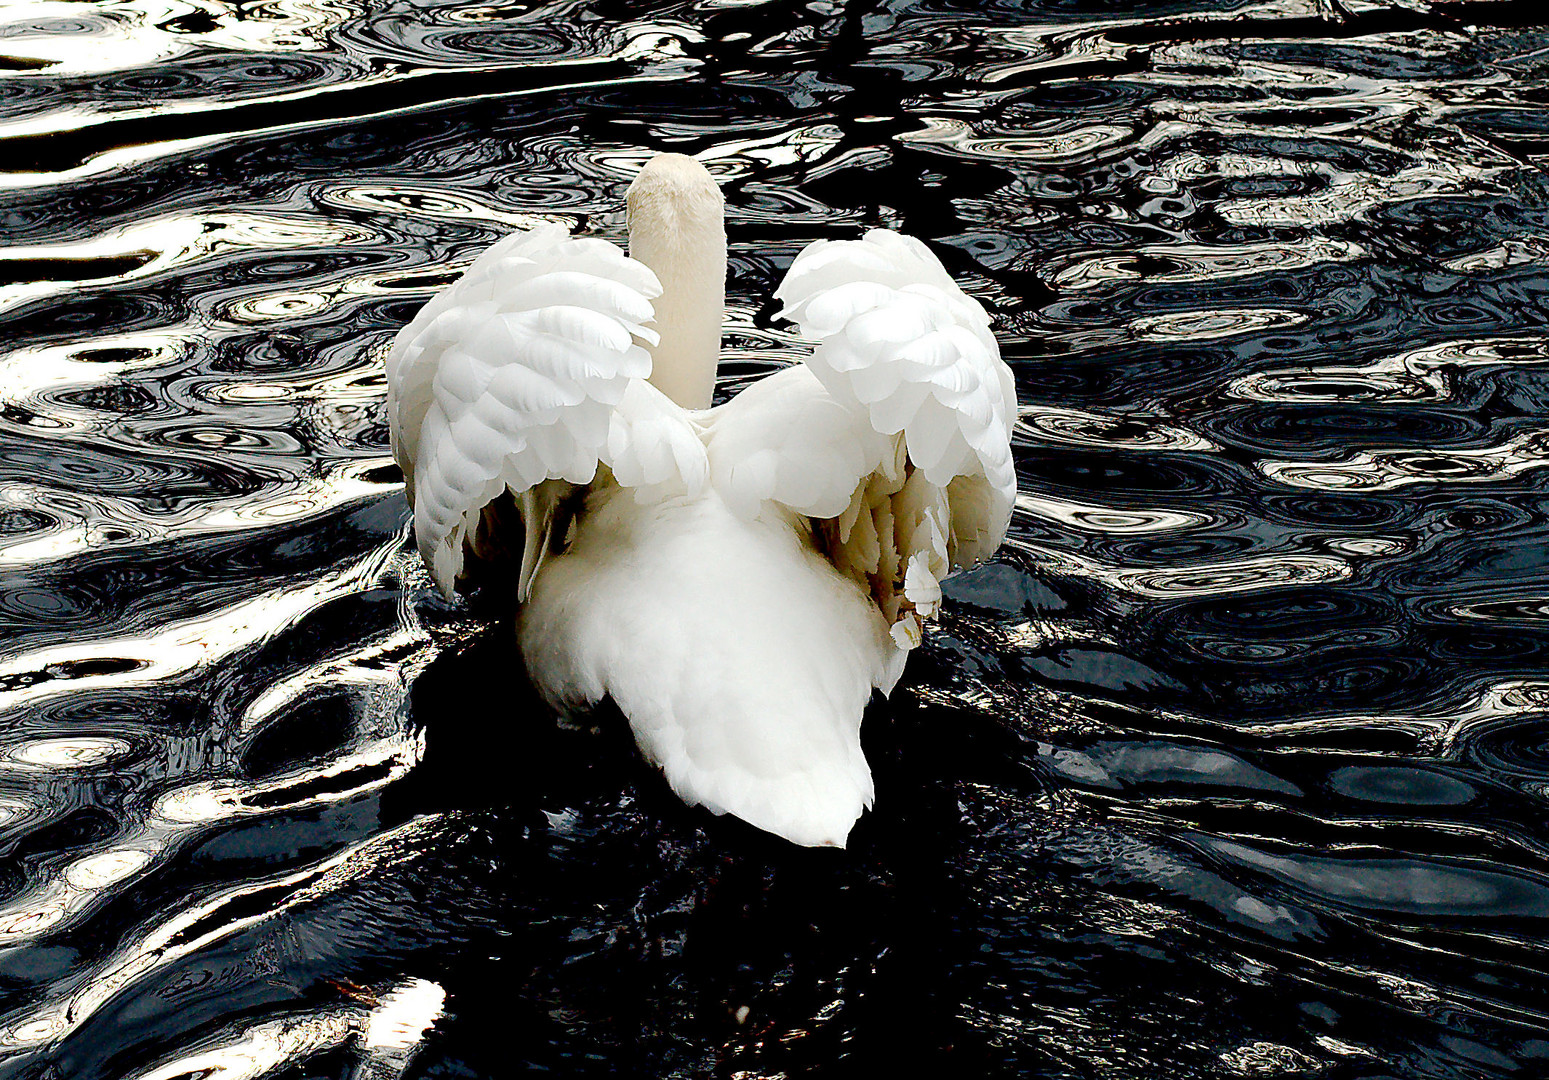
point(653, 446)
point(786, 439)
point(523, 376)
point(898, 444)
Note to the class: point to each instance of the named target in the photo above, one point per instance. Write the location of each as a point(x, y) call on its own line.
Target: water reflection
point(1232, 764)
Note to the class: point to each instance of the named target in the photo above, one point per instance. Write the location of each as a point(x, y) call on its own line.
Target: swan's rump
point(742, 658)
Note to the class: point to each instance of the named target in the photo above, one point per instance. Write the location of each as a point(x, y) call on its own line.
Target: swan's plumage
point(904, 352)
point(742, 661)
point(527, 369)
point(737, 579)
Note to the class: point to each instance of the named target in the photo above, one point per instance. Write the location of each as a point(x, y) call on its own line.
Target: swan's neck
point(677, 228)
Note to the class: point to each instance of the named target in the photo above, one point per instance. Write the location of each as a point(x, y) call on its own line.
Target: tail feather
point(742, 658)
point(814, 804)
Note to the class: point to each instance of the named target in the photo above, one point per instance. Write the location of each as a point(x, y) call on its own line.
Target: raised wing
point(523, 376)
point(905, 355)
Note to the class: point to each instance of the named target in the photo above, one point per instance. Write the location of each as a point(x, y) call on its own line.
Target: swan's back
point(742, 660)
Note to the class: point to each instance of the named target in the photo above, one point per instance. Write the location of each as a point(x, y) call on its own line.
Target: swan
point(738, 579)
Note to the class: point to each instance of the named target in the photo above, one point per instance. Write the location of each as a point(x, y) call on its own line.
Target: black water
point(1235, 763)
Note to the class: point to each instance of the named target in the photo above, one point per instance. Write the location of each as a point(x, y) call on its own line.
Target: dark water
point(1235, 763)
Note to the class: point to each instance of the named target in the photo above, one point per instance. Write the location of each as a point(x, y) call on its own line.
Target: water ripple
point(1232, 763)
point(1384, 470)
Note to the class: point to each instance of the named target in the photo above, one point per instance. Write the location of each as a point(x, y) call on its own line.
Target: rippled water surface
point(1234, 763)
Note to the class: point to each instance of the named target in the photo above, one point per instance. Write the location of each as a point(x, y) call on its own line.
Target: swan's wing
point(786, 439)
point(916, 412)
point(523, 374)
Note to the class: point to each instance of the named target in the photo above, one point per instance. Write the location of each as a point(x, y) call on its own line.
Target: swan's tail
point(782, 766)
point(742, 659)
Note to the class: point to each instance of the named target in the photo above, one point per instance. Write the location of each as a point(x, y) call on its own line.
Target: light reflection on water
point(1233, 764)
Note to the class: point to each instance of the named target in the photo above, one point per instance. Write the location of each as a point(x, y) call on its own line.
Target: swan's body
point(737, 579)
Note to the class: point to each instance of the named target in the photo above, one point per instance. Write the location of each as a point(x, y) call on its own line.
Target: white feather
point(699, 622)
point(511, 377)
point(901, 349)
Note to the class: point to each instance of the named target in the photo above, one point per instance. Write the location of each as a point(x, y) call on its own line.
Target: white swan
point(737, 579)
